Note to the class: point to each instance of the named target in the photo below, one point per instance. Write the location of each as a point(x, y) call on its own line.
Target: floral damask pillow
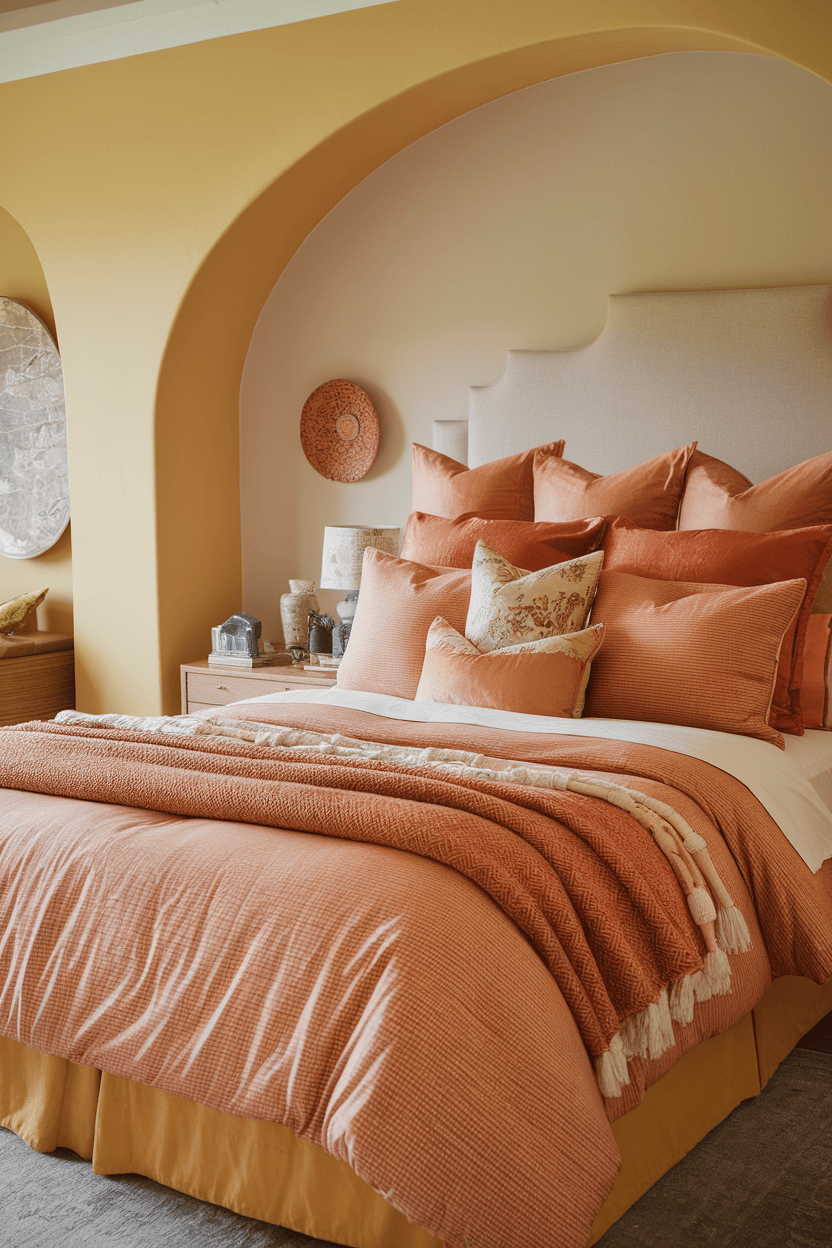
point(509, 605)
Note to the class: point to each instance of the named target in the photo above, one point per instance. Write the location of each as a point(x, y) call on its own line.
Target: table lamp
point(343, 556)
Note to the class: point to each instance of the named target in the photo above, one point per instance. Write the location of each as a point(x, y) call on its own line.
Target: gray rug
point(763, 1179)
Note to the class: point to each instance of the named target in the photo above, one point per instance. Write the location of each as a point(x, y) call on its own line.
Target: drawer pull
point(223, 687)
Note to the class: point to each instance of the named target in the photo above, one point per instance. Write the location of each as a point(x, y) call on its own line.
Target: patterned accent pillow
point(510, 604)
point(544, 677)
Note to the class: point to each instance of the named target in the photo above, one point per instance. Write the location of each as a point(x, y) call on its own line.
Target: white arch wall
point(508, 228)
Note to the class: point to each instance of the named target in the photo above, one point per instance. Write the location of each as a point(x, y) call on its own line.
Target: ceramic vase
point(294, 613)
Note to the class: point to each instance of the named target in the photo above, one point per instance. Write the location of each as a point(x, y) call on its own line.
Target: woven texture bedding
point(377, 1002)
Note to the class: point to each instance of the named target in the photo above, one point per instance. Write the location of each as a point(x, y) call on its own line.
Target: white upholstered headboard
point(746, 372)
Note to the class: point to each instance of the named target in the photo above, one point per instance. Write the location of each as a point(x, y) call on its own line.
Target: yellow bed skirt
point(261, 1170)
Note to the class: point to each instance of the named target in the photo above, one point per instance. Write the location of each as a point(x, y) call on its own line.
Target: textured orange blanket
point(577, 875)
point(375, 1001)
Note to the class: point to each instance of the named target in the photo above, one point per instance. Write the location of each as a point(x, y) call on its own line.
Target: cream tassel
point(682, 999)
point(701, 906)
point(717, 972)
point(732, 933)
point(611, 1069)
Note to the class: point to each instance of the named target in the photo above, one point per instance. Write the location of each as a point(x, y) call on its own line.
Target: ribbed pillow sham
point(726, 557)
point(544, 677)
point(686, 653)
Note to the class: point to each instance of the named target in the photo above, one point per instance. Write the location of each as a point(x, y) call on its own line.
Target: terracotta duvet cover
point(426, 965)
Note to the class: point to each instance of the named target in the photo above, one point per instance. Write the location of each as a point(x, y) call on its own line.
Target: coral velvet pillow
point(817, 673)
point(684, 653)
point(398, 602)
point(716, 496)
point(451, 543)
point(510, 604)
point(544, 677)
point(726, 557)
point(500, 490)
point(648, 494)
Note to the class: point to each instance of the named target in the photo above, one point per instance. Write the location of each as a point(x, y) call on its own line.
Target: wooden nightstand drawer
point(204, 686)
point(217, 689)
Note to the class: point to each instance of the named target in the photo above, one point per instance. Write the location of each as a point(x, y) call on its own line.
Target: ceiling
point(42, 36)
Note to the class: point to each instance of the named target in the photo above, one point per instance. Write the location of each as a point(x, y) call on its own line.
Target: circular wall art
point(34, 476)
point(339, 431)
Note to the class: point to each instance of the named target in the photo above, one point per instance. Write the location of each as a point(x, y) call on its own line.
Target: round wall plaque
point(339, 431)
point(34, 477)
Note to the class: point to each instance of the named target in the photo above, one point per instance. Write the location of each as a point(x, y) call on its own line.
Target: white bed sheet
point(812, 756)
point(794, 785)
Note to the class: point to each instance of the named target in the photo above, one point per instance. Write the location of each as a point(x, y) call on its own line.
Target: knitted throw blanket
point(613, 889)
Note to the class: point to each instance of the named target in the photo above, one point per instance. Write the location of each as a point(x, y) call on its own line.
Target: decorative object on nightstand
point(294, 614)
point(236, 643)
point(320, 637)
point(16, 614)
point(34, 501)
point(341, 564)
point(339, 431)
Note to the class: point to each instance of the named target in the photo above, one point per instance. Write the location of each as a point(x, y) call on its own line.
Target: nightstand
point(37, 676)
point(204, 686)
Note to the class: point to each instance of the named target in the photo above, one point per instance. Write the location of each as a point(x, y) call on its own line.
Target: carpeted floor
point(763, 1179)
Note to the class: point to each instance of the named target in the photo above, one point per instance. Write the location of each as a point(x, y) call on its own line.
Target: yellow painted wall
point(22, 278)
point(509, 227)
point(165, 193)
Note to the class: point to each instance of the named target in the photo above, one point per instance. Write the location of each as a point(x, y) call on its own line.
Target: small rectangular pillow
point(451, 543)
point(510, 604)
point(728, 557)
point(648, 494)
point(817, 673)
point(716, 496)
point(544, 677)
point(397, 604)
point(500, 490)
point(684, 653)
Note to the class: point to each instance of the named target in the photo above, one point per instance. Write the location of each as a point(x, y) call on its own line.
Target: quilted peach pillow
point(510, 604)
point(727, 557)
point(648, 494)
point(544, 677)
point(500, 490)
point(679, 652)
point(397, 604)
point(817, 673)
point(451, 543)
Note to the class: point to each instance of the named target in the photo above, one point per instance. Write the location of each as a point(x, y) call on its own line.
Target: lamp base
point(341, 632)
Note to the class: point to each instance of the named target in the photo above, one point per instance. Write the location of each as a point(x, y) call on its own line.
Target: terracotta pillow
point(678, 652)
point(500, 490)
point(451, 543)
point(716, 496)
point(726, 557)
point(817, 673)
point(648, 494)
point(544, 677)
point(397, 604)
point(510, 604)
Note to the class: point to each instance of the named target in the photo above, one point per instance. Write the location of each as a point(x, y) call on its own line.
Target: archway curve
point(196, 420)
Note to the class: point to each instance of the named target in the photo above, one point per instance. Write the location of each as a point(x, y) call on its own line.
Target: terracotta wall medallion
point(339, 431)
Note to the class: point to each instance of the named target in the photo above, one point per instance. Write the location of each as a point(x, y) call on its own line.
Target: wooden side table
point(37, 676)
point(205, 686)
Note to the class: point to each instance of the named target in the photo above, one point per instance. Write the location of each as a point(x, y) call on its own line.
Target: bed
point(388, 1058)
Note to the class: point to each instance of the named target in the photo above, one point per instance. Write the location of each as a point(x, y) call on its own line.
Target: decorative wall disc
point(34, 476)
point(339, 431)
